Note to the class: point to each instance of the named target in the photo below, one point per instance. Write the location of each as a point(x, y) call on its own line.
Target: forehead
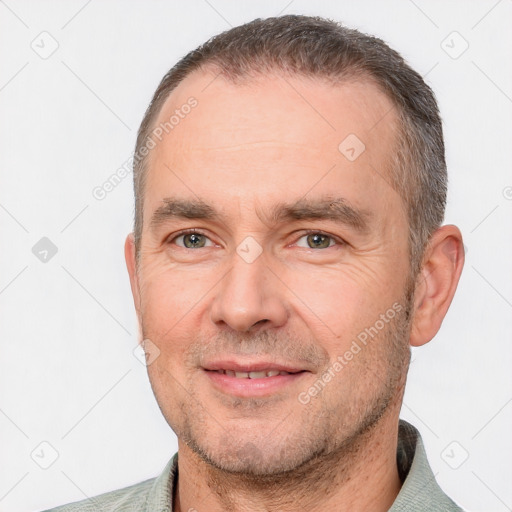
point(271, 136)
point(331, 110)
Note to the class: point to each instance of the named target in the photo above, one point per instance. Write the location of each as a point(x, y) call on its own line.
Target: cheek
point(170, 292)
point(341, 301)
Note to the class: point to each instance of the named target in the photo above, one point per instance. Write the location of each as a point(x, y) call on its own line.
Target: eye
point(192, 240)
point(316, 240)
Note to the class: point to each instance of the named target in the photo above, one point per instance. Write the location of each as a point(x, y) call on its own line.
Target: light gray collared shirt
point(419, 493)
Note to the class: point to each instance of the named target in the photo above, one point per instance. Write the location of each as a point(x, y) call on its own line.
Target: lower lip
point(252, 387)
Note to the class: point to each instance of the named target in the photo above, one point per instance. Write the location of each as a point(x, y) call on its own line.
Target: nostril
point(261, 321)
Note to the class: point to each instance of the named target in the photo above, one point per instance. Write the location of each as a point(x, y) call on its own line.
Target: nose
point(249, 296)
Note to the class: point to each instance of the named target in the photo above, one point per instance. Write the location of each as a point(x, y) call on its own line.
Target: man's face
point(274, 280)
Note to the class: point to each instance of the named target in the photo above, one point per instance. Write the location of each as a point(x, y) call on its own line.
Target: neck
point(360, 476)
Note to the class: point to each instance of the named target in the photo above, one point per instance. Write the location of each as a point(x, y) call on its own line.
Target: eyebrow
point(336, 209)
point(172, 208)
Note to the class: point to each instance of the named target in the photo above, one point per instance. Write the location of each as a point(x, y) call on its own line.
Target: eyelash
point(306, 232)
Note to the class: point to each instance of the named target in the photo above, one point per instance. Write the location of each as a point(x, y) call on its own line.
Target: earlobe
point(437, 282)
point(130, 258)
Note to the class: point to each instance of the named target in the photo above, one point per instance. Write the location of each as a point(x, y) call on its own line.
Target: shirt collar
point(420, 491)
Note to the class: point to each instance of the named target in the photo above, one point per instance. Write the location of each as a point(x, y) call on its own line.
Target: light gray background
point(68, 374)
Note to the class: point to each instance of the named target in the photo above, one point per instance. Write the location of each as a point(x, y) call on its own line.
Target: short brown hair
point(316, 47)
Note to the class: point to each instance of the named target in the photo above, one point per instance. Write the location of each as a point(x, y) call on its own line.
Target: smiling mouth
point(250, 380)
point(254, 375)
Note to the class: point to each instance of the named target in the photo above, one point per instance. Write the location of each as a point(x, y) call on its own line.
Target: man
point(290, 186)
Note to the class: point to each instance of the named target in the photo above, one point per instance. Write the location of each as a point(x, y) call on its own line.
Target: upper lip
point(252, 366)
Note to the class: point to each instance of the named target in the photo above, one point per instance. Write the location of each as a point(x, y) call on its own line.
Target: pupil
point(318, 240)
point(193, 239)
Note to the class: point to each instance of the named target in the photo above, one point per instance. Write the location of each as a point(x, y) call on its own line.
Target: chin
point(257, 457)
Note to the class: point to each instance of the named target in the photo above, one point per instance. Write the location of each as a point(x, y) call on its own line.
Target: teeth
point(257, 375)
point(253, 375)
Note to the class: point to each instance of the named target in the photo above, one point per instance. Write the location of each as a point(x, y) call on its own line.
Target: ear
point(131, 265)
point(436, 283)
